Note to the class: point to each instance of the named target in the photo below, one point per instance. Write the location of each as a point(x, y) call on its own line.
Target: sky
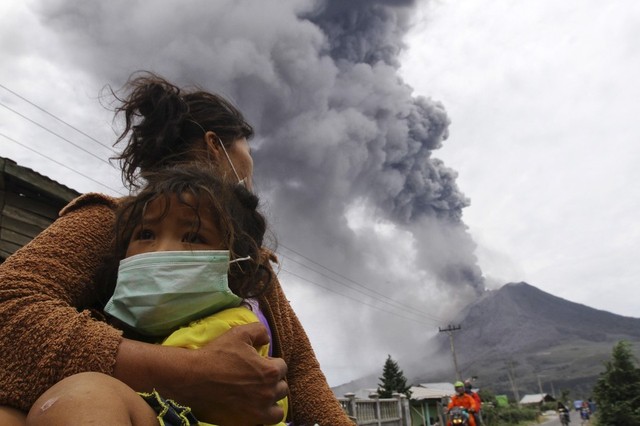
point(543, 101)
point(409, 155)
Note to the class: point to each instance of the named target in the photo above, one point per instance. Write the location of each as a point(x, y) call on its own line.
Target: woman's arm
point(43, 337)
point(312, 400)
point(224, 382)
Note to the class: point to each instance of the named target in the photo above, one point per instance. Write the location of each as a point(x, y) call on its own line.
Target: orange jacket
point(463, 400)
point(467, 402)
point(477, 399)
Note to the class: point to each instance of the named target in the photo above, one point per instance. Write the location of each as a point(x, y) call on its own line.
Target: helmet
point(458, 384)
point(467, 384)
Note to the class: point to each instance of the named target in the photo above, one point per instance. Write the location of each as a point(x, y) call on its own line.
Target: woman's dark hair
point(234, 211)
point(165, 124)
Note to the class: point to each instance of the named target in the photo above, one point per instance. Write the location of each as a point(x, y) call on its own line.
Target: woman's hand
point(244, 384)
point(225, 382)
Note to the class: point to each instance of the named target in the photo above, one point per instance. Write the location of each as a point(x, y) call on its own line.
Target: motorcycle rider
point(585, 411)
point(563, 413)
point(462, 399)
point(467, 389)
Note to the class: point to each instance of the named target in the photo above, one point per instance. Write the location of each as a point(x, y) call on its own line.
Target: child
point(191, 258)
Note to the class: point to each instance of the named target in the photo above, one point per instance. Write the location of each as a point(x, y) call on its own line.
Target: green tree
point(617, 391)
point(392, 380)
point(565, 397)
point(487, 395)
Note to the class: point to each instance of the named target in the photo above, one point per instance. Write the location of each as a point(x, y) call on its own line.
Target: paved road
point(555, 420)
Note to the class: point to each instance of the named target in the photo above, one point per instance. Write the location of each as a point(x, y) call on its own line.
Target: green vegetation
point(508, 416)
point(617, 392)
point(495, 414)
point(487, 396)
point(392, 380)
point(565, 396)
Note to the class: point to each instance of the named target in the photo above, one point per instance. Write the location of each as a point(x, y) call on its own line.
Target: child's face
point(177, 230)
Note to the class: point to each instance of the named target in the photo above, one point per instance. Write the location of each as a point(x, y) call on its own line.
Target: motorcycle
point(458, 416)
point(585, 414)
point(564, 416)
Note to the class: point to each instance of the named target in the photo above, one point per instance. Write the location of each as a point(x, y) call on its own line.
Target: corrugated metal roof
point(443, 386)
point(31, 177)
point(419, 393)
point(29, 203)
point(536, 398)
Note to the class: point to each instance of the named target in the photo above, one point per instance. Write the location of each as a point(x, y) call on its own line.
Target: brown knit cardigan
point(45, 335)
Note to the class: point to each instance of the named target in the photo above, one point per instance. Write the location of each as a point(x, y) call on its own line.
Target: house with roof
point(428, 401)
point(536, 399)
point(29, 203)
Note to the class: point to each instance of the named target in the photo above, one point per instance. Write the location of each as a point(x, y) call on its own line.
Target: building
point(428, 401)
point(536, 399)
point(29, 203)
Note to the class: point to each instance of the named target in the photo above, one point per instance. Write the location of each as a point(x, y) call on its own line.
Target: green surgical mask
point(158, 292)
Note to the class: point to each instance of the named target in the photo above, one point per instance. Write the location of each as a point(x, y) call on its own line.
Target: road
point(555, 420)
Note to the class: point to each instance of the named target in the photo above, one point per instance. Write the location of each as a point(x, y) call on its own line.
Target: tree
point(488, 396)
point(392, 380)
point(565, 396)
point(617, 392)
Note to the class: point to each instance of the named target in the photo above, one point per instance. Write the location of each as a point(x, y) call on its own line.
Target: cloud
point(338, 131)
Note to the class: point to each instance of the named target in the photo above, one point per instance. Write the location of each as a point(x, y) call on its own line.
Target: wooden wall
point(29, 202)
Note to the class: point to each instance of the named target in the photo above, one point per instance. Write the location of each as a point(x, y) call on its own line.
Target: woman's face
point(240, 155)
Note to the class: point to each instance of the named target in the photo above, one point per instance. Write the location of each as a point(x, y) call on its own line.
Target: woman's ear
point(214, 148)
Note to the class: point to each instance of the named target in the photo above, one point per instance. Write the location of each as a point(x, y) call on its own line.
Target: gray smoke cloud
point(343, 150)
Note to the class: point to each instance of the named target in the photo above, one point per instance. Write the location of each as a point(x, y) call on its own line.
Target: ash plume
point(343, 151)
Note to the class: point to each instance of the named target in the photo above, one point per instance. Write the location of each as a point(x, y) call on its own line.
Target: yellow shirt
point(202, 331)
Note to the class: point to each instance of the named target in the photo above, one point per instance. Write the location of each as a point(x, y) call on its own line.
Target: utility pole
point(553, 391)
point(449, 330)
point(512, 379)
point(539, 384)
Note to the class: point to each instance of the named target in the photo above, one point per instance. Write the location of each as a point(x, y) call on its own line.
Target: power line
point(377, 295)
point(55, 117)
point(353, 298)
point(59, 163)
point(355, 282)
point(55, 134)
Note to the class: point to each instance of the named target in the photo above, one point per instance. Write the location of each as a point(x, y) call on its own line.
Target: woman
point(49, 333)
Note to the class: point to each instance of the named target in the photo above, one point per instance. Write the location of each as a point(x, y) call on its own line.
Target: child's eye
point(145, 234)
point(193, 238)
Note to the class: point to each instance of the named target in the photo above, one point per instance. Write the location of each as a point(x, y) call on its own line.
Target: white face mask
point(158, 292)
point(242, 182)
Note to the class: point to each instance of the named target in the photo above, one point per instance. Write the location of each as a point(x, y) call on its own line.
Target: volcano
point(542, 341)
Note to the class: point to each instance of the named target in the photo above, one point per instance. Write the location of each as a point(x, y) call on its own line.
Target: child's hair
point(234, 208)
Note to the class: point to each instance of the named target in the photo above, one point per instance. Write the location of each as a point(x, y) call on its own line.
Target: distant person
point(585, 411)
point(563, 413)
point(463, 400)
point(468, 388)
point(577, 404)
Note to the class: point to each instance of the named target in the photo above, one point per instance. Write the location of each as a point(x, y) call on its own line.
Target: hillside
point(536, 335)
point(544, 341)
point(521, 318)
